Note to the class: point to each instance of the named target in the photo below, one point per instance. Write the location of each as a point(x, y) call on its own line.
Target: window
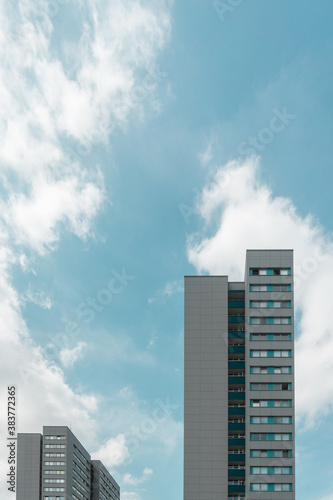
point(53, 480)
point(281, 437)
point(54, 472)
point(55, 446)
point(271, 403)
point(258, 453)
point(281, 336)
point(258, 321)
point(279, 321)
point(270, 420)
point(282, 420)
point(254, 320)
point(270, 303)
point(54, 463)
point(271, 453)
point(270, 487)
point(54, 489)
point(271, 353)
point(282, 403)
point(54, 437)
point(270, 336)
point(258, 288)
point(52, 455)
point(259, 403)
point(270, 288)
point(259, 487)
point(54, 498)
point(269, 272)
point(270, 387)
point(271, 470)
point(81, 470)
point(258, 354)
point(282, 487)
point(270, 369)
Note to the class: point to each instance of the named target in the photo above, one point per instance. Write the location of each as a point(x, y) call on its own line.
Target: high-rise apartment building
point(239, 382)
point(55, 466)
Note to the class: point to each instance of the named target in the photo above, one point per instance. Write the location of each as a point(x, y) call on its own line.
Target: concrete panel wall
point(206, 388)
point(29, 447)
point(269, 259)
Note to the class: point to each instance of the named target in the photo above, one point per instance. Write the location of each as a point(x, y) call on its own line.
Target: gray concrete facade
point(102, 483)
point(270, 259)
point(206, 388)
point(29, 462)
point(239, 437)
point(55, 465)
point(66, 465)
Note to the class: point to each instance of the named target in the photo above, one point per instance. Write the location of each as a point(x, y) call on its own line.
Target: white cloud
point(206, 155)
point(130, 495)
point(172, 287)
point(43, 396)
point(247, 215)
point(134, 481)
point(150, 427)
point(61, 93)
point(83, 91)
point(36, 219)
point(114, 452)
point(327, 497)
point(152, 341)
point(25, 264)
point(69, 356)
point(39, 298)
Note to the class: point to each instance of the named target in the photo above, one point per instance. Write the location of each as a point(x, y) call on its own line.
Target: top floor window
point(54, 437)
point(270, 288)
point(276, 271)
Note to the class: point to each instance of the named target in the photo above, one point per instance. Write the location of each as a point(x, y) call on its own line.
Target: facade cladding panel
point(29, 462)
point(56, 465)
point(239, 382)
point(103, 485)
point(206, 388)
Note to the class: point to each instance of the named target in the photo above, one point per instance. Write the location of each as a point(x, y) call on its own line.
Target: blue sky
point(142, 141)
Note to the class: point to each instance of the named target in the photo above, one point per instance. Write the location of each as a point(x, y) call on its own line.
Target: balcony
point(235, 411)
point(236, 473)
point(237, 395)
point(236, 442)
point(236, 488)
point(235, 334)
point(236, 457)
point(236, 380)
point(236, 426)
point(236, 349)
point(236, 294)
point(236, 303)
point(237, 318)
point(236, 365)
